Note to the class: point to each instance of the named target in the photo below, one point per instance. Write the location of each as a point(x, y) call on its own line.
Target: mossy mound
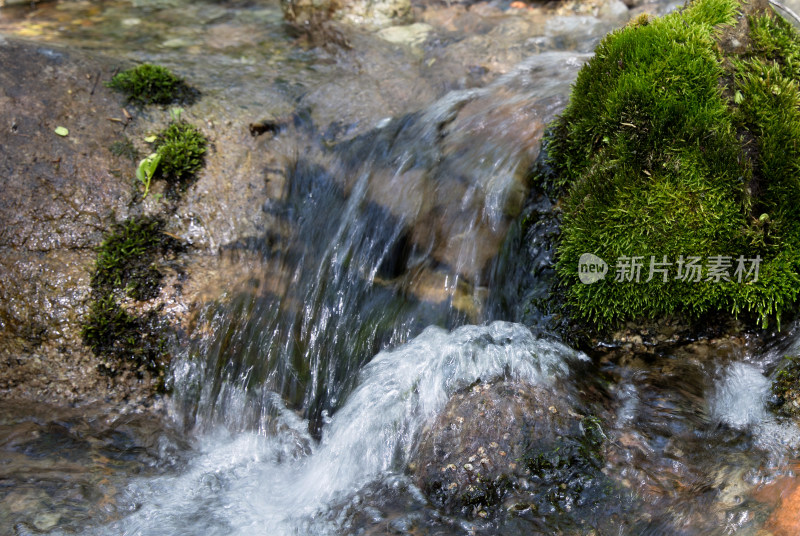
point(125, 340)
point(153, 84)
point(126, 258)
point(127, 265)
point(182, 150)
point(679, 153)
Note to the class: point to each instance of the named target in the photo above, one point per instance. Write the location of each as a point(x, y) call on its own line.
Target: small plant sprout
point(175, 114)
point(147, 168)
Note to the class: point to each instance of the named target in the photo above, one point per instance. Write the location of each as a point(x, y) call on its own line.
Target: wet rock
point(60, 194)
point(507, 441)
point(784, 495)
point(368, 13)
point(412, 35)
point(375, 13)
point(63, 467)
point(57, 190)
point(458, 203)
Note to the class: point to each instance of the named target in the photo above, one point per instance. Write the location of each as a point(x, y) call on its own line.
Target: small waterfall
point(284, 483)
point(374, 239)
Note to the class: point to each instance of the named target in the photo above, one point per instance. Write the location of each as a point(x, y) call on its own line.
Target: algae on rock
point(680, 148)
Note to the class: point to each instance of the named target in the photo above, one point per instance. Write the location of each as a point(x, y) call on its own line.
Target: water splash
point(283, 483)
point(740, 401)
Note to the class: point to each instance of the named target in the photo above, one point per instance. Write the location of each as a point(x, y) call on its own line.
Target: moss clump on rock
point(126, 258)
point(153, 84)
point(182, 148)
point(567, 471)
point(124, 340)
point(127, 266)
point(682, 139)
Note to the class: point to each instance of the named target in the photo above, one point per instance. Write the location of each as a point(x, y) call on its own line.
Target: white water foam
point(740, 401)
point(251, 484)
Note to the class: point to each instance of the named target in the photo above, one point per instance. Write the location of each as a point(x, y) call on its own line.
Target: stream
point(383, 274)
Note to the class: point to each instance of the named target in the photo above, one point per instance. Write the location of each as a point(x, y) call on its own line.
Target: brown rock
point(479, 447)
point(785, 519)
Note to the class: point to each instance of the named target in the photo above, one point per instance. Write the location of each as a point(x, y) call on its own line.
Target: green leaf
point(146, 170)
point(151, 139)
point(61, 131)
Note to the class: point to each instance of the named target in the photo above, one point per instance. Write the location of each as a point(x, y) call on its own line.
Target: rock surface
point(494, 443)
point(59, 196)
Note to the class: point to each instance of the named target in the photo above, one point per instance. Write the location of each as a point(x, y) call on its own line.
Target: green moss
point(672, 146)
point(122, 339)
point(127, 263)
point(182, 148)
point(152, 84)
point(127, 256)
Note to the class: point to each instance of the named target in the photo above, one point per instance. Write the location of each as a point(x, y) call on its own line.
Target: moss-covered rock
point(125, 341)
point(153, 84)
point(126, 259)
point(127, 265)
point(678, 161)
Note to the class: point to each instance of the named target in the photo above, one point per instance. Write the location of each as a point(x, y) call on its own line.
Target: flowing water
point(388, 275)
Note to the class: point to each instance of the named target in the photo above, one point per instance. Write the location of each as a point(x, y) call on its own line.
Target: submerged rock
point(369, 13)
point(509, 444)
